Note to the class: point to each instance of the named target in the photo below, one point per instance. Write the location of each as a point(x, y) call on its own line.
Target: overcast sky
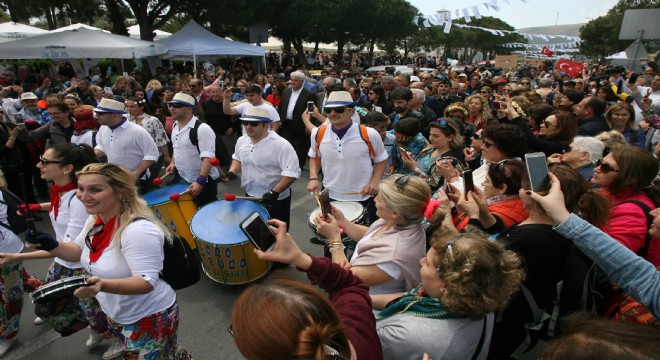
point(533, 13)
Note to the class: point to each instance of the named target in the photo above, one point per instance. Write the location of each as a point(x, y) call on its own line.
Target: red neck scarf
point(101, 240)
point(55, 196)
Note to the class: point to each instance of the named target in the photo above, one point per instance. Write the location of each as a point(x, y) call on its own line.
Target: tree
point(600, 36)
point(152, 14)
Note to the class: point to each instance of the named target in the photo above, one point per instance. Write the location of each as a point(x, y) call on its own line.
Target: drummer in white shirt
point(268, 163)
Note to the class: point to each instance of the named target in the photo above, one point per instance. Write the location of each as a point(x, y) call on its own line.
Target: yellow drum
point(226, 253)
point(176, 215)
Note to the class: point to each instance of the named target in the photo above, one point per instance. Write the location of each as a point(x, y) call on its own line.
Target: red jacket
point(511, 211)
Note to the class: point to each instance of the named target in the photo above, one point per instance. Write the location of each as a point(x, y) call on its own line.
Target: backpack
point(192, 135)
point(363, 134)
point(180, 266)
point(17, 223)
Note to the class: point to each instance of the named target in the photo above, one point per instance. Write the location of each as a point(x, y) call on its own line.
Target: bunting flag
point(572, 68)
point(466, 15)
point(475, 11)
point(545, 51)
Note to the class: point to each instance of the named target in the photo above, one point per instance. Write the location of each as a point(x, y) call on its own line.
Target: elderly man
point(418, 103)
point(322, 97)
point(388, 85)
point(122, 141)
point(30, 110)
point(293, 104)
point(268, 164)
point(194, 146)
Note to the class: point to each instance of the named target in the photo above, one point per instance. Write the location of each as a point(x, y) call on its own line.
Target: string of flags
point(446, 18)
point(555, 46)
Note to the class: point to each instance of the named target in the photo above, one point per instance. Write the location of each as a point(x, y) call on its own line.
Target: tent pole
point(194, 64)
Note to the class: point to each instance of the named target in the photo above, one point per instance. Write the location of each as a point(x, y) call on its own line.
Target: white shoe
point(94, 339)
point(39, 321)
point(5, 345)
point(114, 351)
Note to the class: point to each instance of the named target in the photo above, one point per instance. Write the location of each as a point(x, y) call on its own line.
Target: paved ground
point(205, 307)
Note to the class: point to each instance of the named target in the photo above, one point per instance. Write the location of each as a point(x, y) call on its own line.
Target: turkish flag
point(546, 51)
point(570, 67)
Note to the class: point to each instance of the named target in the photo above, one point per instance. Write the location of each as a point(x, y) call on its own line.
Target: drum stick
point(352, 193)
point(177, 196)
point(232, 197)
point(159, 180)
point(216, 163)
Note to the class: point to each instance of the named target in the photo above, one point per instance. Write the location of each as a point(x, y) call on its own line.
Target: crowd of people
point(433, 269)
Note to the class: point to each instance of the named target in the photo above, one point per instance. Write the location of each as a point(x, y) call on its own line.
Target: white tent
point(134, 32)
point(194, 42)
point(79, 44)
point(12, 31)
point(621, 55)
point(77, 26)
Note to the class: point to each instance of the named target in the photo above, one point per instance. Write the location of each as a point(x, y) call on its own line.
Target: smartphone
point(110, 69)
point(125, 75)
point(18, 119)
point(468, 182)
point(497, 105)
point(633, 78)
point(324, 202)
point(256, 229)
point(648, 93)
point(537, 170)
point(310, 107)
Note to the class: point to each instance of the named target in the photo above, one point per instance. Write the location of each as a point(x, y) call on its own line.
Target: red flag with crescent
point(547, 52)
point(572, 68)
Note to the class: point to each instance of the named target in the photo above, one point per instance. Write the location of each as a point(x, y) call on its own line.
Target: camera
point(615, 69)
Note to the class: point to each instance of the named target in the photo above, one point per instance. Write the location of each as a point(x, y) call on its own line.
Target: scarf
point(416, 303)
point(101, 240)
point(55, 196)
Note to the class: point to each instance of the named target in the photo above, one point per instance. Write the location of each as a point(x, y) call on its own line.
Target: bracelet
point(333, 249)
point(201, 179)
point(336, 245)
point(313, 179)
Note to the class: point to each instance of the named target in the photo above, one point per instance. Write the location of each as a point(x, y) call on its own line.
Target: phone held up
point(537, 170)
point(18, 119)
point(310, 107)
point(256, 229)
point(468, 182)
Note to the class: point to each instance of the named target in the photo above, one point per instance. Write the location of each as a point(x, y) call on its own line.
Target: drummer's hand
point(195, 189)
point(286, 250)
point(93, 287)
point(170, 168)
point(314, 186)
point(328, 228)
point(7, 258)
point(371, 188)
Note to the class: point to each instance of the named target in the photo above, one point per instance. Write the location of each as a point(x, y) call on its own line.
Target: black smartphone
point(18, 119)
point(468, 182)
point(256, 229)
point(310, 107)
point(324, 202)
point(496, 105)
point(537, 170)
point(633, 78)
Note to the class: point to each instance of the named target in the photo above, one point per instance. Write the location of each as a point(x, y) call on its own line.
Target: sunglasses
point(484, 92)
point(338, 110)
point(251, 123)
point(605, 167)
point(88, 238)
point(524, 83)
point(477, 137)
point(488, 145)
point(366, 88)
point(176, 106)
point(548, 124)
point(45, 162)
point(506, 90)
point(401, 182)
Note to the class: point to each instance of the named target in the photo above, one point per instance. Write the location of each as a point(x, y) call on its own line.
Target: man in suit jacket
point(293, 104)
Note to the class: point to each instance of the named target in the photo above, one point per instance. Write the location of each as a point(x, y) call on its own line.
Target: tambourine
point(57, 289)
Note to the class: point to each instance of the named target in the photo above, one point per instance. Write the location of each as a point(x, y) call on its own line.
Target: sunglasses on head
point(605, 167)
point(401, 182)
point(338, 110)
point(442, 122)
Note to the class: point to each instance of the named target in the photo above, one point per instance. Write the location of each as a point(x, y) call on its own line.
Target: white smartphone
point(256, 229)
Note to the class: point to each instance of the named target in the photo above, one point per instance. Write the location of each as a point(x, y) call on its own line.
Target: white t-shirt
point(9, 242)
point(140, 254)
point(187, 159)
point(264, 163)
point(244, 107)
point(85, 138)
point(71, 217)
point(127, 145)
point(346, 162)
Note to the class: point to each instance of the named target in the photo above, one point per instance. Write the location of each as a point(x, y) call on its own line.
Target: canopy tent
point(80, 44)
point(134, 32)
point(194, 42)
point(77, 26)
point(621, 55)
point(12, 31)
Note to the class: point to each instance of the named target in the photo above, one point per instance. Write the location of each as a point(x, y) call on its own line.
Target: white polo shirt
point(71, 217)
point(263, 163)
point(346, 162)
point(127, 145)
point(244, 107)
point(187, 159)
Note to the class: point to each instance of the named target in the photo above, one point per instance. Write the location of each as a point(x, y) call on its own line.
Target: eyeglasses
point(506, 90)
point(338, 110)
point(176, 106)
point(484, 92)
point(401, 182)
point(45, 162)
point(524, 83)
point(88, 238)
point(548, 124)
point(193, 85)
point(251, 123)
point(487, 144)
point(366, 88)
point(605, 167)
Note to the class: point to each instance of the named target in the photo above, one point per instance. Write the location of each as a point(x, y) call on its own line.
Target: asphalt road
point(205, 308)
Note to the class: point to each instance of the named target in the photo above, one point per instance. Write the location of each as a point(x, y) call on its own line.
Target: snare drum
point(175, 215)
point(226, 252)
point(353, 212)
point(57, 289)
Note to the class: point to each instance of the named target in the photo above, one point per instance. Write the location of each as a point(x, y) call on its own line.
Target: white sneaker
point(5, 345)
point(114, 351)
point(39, 321)
point(94, 339)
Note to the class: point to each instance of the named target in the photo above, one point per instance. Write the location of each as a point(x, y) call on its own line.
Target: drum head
point(351, 210)
point(57, 289)
point(219, 222)
point(162, 195)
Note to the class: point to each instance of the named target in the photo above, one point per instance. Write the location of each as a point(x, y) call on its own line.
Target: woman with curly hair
point(478, 111)
point(450, 315)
